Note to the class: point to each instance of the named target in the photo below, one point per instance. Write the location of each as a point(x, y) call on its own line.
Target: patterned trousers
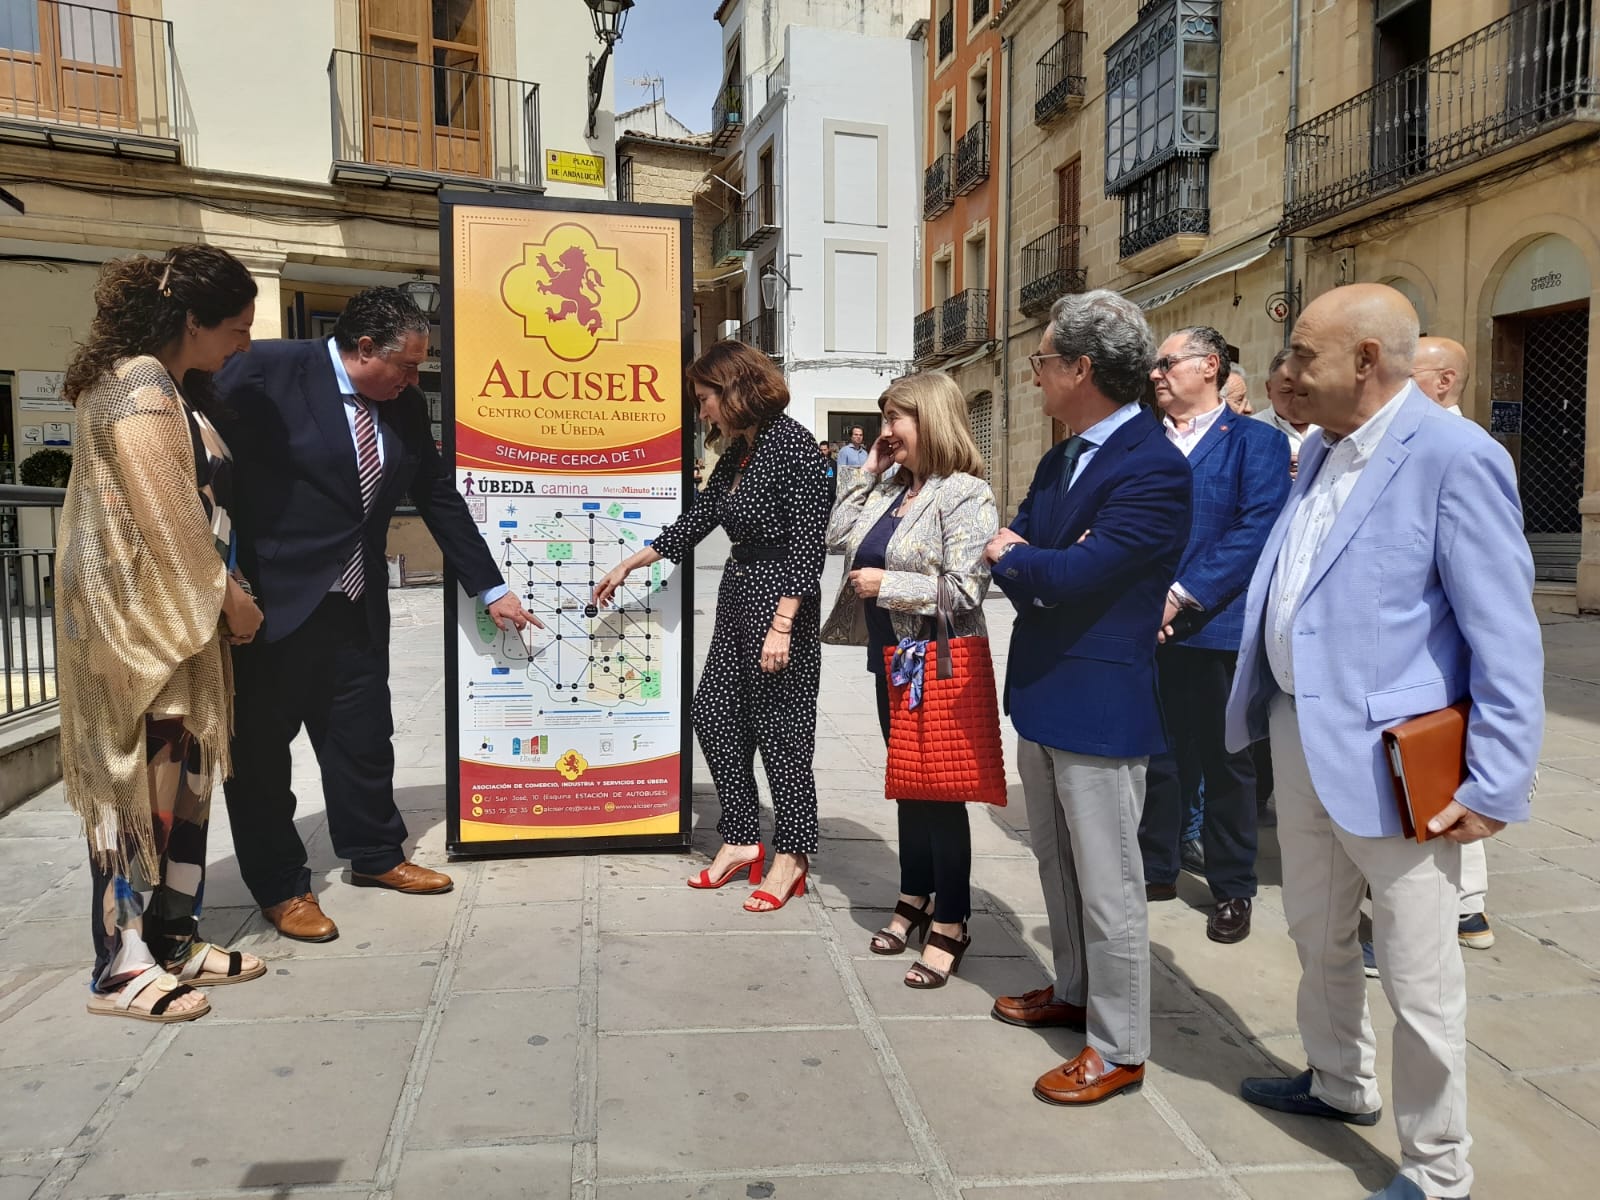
point(138, 922)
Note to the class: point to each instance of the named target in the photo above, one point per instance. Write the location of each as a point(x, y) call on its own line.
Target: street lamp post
point(609, 18)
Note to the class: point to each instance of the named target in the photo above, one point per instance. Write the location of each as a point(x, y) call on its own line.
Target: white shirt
point(1187, 439)
point(1296, 438)
point(351, 396)
point(1309, 525)
point(1097, 435)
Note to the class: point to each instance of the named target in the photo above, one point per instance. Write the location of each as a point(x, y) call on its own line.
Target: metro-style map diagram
point(553, 552)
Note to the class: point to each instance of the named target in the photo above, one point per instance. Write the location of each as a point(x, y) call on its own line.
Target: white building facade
point(309, 137)
point(820, 184)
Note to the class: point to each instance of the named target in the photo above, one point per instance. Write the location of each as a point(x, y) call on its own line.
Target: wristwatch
point(1006, 549)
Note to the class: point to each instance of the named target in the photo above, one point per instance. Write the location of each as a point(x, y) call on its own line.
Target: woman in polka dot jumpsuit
point(769, 491)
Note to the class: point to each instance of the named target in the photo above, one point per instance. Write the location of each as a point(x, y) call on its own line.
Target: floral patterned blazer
point(943, 533)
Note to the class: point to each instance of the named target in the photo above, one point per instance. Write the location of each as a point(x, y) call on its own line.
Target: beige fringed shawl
point(139, 590)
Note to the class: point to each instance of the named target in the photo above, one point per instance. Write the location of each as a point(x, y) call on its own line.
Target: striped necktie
point(353, 581)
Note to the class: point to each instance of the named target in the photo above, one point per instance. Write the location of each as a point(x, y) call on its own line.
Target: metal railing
point(409, 118)
point(947, 34)
point(762, 333)
point(1508, 82)
point(725, 240)
point(759, 217)
point(980, 11)
point(964, 321)
point(1051, 268)
point(88, 67)
point(1059, 76)
point(938, 185)
point(924, 333)
point(727, 114)
point(1172, 199)
point(972, 157)
point(27, 609)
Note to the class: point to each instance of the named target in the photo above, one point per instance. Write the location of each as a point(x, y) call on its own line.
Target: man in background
point(1440, 369)
point(1236, 391)
point(854, 455)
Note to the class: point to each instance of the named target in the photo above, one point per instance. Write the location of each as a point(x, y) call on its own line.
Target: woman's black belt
point(750, 554)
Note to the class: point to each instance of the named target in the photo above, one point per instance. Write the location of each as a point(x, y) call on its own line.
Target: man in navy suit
point(327, 436)
point(1087, 562)
point(1241, 479)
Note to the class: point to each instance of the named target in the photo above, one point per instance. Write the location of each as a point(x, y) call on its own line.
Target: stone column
point(267, 271)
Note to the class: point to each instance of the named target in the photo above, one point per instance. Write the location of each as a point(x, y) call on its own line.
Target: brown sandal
point(924, 977)
point(887, 941)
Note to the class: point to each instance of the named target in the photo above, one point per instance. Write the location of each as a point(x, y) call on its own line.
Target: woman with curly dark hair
point(145, 601)
point(769, 491)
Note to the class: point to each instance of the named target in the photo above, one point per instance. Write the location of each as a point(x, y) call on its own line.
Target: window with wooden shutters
point(1069, 181)
point(424, 84)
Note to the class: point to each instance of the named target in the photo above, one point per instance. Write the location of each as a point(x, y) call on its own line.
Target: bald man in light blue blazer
point(1396, 581)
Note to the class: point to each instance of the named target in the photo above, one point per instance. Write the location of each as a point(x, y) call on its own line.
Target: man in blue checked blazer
point(1241, 479)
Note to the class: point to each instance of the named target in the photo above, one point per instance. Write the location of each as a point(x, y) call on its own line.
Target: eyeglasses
point(1036, 360)
point(1167, 361)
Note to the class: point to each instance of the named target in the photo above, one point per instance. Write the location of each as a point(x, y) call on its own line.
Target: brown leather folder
point(1427, 759)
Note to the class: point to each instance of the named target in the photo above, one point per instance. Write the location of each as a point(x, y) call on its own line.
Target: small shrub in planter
point(45, 468)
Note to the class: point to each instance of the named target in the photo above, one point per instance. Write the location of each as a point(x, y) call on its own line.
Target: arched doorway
point(1539, 405)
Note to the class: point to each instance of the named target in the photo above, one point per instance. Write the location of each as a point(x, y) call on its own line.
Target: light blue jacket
point(1421, 596)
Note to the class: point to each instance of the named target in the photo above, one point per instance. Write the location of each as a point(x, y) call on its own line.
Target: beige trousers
point(1326, 873)
point(1083, 816)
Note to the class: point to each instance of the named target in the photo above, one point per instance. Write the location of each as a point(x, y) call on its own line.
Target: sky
point(678, 41)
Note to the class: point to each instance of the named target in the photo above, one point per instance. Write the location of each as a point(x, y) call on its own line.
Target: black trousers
point(935, 844)
point(330, 677)
point(1194, 686)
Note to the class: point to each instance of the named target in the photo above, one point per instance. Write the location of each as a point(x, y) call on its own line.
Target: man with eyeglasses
point(327, 437)
point(1086, 562)
point(1241, 480)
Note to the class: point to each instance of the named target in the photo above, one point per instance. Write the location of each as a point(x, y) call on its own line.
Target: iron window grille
point(1051, 268)
point(1059, 76)
point(972, 157)
point(1175, 199)
point(938, 186)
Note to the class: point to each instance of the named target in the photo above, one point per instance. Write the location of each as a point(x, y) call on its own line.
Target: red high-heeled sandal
point(797, 888)
point(753, 866)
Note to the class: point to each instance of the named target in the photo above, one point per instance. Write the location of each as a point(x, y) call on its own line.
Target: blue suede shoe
point(1401, 1188)
point(1294, 1096)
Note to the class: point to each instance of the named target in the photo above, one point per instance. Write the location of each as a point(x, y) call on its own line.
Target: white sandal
point(194, 970)
point(120, 1002)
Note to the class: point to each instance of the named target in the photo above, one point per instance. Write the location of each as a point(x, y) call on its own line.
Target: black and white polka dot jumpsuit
point(776, 519)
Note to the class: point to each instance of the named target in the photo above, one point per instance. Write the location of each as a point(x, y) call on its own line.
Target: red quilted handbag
point(944, 723)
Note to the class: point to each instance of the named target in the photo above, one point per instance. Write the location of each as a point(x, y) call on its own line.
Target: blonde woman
point(917, 511)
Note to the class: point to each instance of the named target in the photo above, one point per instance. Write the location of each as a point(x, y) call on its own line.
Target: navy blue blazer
point(1082, 674)
point(297, 496)
point(1241, 480)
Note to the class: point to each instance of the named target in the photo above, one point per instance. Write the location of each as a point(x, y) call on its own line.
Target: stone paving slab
point(587, 1026)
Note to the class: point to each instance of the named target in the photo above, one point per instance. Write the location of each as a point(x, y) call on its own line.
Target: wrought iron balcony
point(938, 186)
point(1059, 79)
point(759, 217)
point(762, 333)
point(725, 249)
point(79, 76)
point(980, 11)
point(1511, 90)
point(1051, 268)
point(727, 114)
point(1173, 199)
point(947, 34)
point(972, 157)
point(924, 334)
point(964, 321)
point(403, 123)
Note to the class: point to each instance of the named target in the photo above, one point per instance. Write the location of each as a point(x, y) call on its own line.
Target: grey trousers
point(1326, 873)
point(1083, 814)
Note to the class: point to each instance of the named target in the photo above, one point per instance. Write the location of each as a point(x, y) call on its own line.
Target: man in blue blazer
point(1397, 581)
point(1241, 479)
point(1087, 562)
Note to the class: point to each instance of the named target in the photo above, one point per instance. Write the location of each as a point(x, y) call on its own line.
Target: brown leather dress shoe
point(1038, 1009)
point(1155, 893)
point(301, 918)
point(1087, 1080)
point(1230, 922)
point(407, 877)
